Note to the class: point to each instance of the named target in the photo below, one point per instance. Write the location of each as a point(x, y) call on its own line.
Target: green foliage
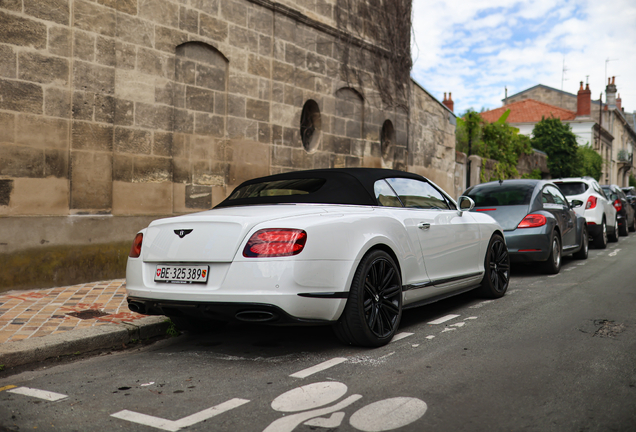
point(498, 141)
point(632, 180)
point(591, 163)
point(534, 174)
point(559, 142)
point(172, 329)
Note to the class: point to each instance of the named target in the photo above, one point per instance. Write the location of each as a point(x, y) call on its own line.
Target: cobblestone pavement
point(28, 314)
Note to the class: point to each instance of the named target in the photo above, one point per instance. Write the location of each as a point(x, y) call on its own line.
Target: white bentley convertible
point(347, 247)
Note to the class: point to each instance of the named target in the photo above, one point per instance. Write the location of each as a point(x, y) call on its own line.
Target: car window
point(610, 194)
point(385, 195)
point(500, 194)
point(557, 195)
point(278, 188)
point(546, 197)
point(572, 188)
point(418, 194)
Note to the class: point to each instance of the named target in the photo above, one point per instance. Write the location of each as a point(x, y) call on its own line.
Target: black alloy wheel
point(600, 241)
point(553, 264)
point(624, 231)
point(374, 308)
point(582, 253)
point(497, 269)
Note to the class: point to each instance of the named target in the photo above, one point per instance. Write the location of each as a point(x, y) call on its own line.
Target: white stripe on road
point(613, 254)
point(430, 337)
point(175, 425)
point(40, 394)
point(443, 319)
point(318, 368)
point(399, 336)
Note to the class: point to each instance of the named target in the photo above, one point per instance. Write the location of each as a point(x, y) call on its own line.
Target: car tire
point(582, 253)
point(553, 264)
point(195, 325)
point(600, 241)
point(374, 309)
point(613, 237)
point(497, 269)
point(624, 231)
point(632, 227)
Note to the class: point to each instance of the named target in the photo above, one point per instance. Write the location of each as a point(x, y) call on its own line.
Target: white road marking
point(40, 394)
point(328, 423)
point(388, 414)
point(175, 425)
point(399, 336)
point(430, 337)
point(459, 324)
point(443, 319)
point(471, 318)
point(613, 254)
point(447, 329)
point(581, 264)
point(482, 304)
point(415, 345)
point(570, 269)
point(318, 368)
point(387, 355)
point(309, 396)
point(553, 276)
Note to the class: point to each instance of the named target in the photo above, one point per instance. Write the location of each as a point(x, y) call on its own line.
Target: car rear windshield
point(501, 194)
point(572, 188)
point(278, 188)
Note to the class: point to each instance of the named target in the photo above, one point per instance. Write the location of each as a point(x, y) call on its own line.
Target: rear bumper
point(528, 244)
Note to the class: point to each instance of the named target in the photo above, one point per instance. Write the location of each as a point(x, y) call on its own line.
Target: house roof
point(595, 102)
point(528, 111)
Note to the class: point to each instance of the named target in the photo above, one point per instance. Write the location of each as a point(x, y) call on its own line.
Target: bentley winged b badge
point(182, 232)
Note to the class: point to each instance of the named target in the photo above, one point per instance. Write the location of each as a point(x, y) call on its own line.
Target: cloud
point(476, 49)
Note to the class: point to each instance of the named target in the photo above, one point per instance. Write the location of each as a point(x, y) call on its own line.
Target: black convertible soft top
point(353, 186)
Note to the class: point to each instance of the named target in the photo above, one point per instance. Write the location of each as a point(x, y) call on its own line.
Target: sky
point(477, 48)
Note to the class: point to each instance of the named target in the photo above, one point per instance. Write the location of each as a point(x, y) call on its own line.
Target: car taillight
point(275, 242)
point(591, 202)
point(532, 221)
point(618, 205)
point(135, 250)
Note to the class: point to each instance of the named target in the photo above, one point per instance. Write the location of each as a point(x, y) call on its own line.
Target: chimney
point(618, 102)
point(584, 101)
point(449, 102)
point(610, 93)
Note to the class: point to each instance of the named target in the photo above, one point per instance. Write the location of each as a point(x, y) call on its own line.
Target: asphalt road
point(557, 353)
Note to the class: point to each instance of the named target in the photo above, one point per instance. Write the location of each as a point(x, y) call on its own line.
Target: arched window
point(387, 141)
point(310, 125)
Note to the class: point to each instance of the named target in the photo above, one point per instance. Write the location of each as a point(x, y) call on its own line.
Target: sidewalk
point(39, 324)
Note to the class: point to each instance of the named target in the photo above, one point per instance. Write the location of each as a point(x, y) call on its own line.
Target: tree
point(558, 141)
point(591, 162)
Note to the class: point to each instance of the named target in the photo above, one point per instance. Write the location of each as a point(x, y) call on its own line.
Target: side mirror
point(576, 203)
point(465, 204)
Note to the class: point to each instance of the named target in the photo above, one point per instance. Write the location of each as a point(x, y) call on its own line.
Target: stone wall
point(136, 109)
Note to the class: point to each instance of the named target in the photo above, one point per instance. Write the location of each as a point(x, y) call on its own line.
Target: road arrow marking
point(175, 425)
point(40, 394)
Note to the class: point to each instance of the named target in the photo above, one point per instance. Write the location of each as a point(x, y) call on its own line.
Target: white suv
point(597, 209)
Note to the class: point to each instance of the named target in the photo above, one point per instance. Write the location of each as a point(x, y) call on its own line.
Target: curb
point(80, 341)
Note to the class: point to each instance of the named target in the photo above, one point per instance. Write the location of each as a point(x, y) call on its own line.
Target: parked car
point(538, 221)
point(630, 193)
point(624, 211)
point(346, 247)
point(598, 210)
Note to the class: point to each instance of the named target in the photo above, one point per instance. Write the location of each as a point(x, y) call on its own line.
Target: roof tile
point(528, 111)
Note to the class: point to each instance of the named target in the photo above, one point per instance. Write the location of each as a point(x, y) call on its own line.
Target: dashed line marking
point(40, 394)
point(400, 336)
point(472, 318)
point(430, 337)
point(482, 304)
point(553, 276)
point(443, 319)
point(459, 324)
point(318, 368)
point(447, 329)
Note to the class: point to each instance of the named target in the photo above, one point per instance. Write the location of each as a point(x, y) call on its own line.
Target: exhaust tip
point(256, 316)
point(137, 307)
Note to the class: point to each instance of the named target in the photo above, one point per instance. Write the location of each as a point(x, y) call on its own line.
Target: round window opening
point(310, 125)
point(387, 140)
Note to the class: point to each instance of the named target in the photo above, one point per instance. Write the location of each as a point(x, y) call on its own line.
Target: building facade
point(115, 113)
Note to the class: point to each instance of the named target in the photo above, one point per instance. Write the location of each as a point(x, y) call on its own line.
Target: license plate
point(182, 274)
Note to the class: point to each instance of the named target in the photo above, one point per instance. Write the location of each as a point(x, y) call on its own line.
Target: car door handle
point(424, 225)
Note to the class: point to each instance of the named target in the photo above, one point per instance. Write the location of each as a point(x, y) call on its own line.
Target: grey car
point(624, 211)
point(539, 223)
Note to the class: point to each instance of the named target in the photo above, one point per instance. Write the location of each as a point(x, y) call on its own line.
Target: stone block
point(260, 20)
point(166, 39)
point(234, 11)
point(243, 84)
point(243, 38)
point(258, 66)
point(291, 137)
point(134, 86)
point(37, 197)
point(295, 55)
point(135, 31)
point(7, 62)
point(278, 92)
point(125, 55)
point(305, 79)
point(92, 136)
point(250, 160)
point(199, 99)
point(104, 109)
point(220, 103)
point(336, 144)
point(281, 156)
point(48, 10)
point(211, 77)
point(236, 106)
point(185, 71)
point(43, 69)
point(94, 18)
point(151, 169)
point(14, 5)
point(84, 45)
point(105, 52)
point(264, 89)
point(6, 187)
point(154, 116)
point(57, 102)
point(213, 28)
point(162, 12)
point(124, 112)
point(188, 20)
point(7, 127)
point(142, 198)
point(283, 72)
point(56, 163)
point(354, 129)
point(208, 6)
point(162, 144)
point(136, 141)
point(93, 78)
point(83, 105)
point(122, 167)
point(257, 110)
point(285, 28)
point(126, 6)
point(151, 62)
point(207, 124)
point(181, 170)
point(41, 132)
point(300, 159)
point(294, 96)
point(91, 180)
point(20, 161)
point(242, 128)
point(60, 41)
point(183, 121)
point(19, 31)
point(198, 197)
point(169, 93)
point(264, 133)
point(316, 63)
